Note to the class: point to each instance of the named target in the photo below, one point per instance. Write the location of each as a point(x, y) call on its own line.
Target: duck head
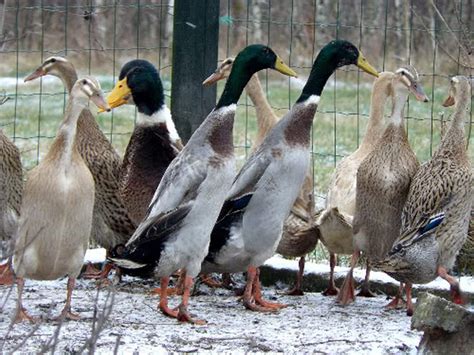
point(333, 55)
point(51, 66)
point(250, 60)
point(407, 77)
point(140, 84)
point(88, 88)
point(459, 85)
point(222, 72)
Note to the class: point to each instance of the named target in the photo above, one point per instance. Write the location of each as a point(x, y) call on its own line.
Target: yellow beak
point(365, 65)
point(283, 68)
point(119, 95)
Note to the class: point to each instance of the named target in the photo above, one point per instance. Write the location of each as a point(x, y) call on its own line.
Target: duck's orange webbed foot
point(331, 291)
point(185, 317)
point(7, 277)
point(22, 315)
point(346, 295)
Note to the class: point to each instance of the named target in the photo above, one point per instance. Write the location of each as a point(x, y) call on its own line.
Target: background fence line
point(98, 36)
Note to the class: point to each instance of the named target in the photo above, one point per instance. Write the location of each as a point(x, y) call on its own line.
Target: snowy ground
point(311, 323)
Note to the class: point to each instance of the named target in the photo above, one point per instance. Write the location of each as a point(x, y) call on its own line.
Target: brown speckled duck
point(300, 236)
point(436, 216)
point(335, 222)
point(383, 180)
point(11, 189)
point(154, 142)
point(57, 207)
point(112, 224)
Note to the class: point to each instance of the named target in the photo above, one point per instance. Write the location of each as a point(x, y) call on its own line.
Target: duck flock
point(166, 210)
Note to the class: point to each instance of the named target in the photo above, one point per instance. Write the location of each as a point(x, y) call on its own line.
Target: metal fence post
point(195, 45)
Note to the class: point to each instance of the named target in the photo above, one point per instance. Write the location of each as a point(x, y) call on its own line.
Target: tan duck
point(11, 189)
point(436, 216)
point(56, 211)
point(112, 224)
point(335, 222)
point(300, 236)
point(382, 183)
point(154, 142)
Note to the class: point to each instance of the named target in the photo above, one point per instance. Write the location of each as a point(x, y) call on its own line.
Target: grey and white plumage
point(193, 188)
point(273, 176)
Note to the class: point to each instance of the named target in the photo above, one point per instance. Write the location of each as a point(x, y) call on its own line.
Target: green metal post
point(195, 45)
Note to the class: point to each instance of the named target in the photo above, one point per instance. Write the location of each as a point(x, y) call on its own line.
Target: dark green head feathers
point(249, 61)
point(140, 81)
point(334, 55)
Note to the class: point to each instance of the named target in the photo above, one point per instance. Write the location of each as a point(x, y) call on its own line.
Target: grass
point(338, 127)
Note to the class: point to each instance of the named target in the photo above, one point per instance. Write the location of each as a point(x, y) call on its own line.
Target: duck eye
point(120, 86)
point(53, 60)
point(84, 82)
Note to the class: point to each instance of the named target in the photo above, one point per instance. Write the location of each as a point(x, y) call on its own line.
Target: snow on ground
point(311, 323)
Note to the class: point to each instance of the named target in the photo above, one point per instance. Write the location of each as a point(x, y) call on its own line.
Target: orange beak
point(449, 101)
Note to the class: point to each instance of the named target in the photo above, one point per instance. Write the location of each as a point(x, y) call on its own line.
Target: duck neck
point(161, 117)
point(68, 75)
point(380, 94)
point(453, 143)
point(323, 68)
point(399, 98)
point(462, 103)
point(238, 79)
point(64, 145)
point(266, 119)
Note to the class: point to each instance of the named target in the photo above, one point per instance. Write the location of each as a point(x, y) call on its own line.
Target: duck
point(56, 210)
point(154, 143)
point(382, 183)
point(436, 216)
point(300, 234)
point(335, 221)
point(112, 223)
point(250, 224)
point(11, 190)
point(175, 233)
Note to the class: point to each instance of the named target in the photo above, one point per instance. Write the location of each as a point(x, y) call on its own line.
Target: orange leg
point(409, 301)
point(92, 273)
point(163, 305)
point(209, 281)
point(21, 314)
point(6, 273)
point(183, 314)
point(365, 291)
point(456, 295)
point(257, 294)
point(332, 290)
point(296, 290)
point(248, 296)
point(395, 303)
point(66, 312)
point(170, 291)
point(347, 296)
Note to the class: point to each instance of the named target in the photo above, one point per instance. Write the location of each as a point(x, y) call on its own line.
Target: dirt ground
point(311, 323)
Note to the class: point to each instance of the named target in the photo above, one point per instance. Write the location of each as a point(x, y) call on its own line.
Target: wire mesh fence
point(99, 36)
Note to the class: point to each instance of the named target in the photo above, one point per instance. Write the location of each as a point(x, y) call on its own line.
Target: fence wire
point(99, 36)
